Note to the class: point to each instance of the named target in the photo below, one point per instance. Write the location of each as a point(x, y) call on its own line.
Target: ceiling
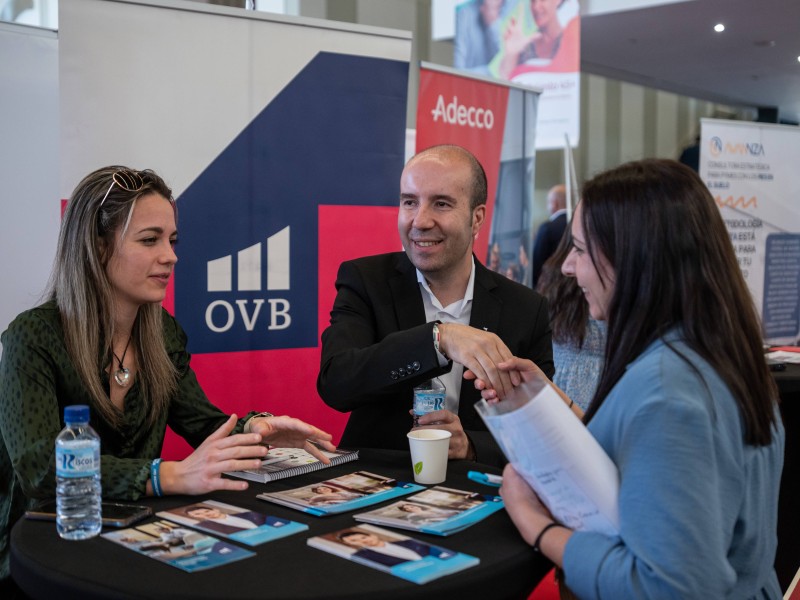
point(673, 47)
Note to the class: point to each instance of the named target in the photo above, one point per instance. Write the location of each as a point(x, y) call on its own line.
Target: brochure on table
point(341, 494)
point(288, 462)
point(400, 555)
point(178, 546)
point(233, 522)
point(558, 457)
point(438, 510)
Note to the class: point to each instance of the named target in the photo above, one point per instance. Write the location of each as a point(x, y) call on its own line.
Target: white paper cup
point(429, 454)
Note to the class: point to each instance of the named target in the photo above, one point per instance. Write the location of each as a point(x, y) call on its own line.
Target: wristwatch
point(250, 420)
point(436, 339)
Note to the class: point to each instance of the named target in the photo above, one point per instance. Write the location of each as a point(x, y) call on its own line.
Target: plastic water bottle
point(78, 492)
point(428, 397)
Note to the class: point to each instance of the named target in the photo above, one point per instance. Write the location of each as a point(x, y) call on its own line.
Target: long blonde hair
point(97, 210)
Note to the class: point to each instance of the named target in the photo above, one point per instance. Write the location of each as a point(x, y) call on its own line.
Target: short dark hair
point(342, 536)
point(478, 186)
point(662, 233)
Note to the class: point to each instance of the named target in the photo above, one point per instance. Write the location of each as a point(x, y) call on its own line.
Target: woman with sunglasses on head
point(103, 339)
point(685, 407)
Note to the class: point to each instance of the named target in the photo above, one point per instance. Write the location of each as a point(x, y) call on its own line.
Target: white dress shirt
point(457, 312)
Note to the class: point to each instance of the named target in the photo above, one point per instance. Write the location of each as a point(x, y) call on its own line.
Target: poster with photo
point(532, 43)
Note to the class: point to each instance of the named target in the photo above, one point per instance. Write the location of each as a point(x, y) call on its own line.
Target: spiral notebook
point(281, 463)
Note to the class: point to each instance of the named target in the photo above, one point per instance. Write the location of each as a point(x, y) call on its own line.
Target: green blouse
point(37, 380)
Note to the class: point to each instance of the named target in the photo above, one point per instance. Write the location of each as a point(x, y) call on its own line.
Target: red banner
point(470, 113)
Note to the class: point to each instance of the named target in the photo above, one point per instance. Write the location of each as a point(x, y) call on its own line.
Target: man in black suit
point(432, 311)
point(551, 231)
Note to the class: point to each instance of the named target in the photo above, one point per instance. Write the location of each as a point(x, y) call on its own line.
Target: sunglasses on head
point(128, 180)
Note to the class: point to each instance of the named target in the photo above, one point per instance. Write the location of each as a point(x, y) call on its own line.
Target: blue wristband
point(155, 477)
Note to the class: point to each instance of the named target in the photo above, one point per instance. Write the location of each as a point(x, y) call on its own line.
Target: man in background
point(434, 310)
point(551, 231)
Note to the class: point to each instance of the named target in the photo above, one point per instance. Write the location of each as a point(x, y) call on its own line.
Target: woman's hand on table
point(288, 432)
point(201, 471)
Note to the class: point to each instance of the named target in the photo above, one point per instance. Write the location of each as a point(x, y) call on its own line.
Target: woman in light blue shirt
point(685, 407)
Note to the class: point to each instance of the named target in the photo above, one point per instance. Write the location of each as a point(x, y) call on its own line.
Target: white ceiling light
point(719, 27)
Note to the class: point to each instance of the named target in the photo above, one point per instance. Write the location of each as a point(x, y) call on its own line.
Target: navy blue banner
point(247, 276)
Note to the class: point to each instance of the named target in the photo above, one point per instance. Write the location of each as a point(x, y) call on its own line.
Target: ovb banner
point(248, 223)
point(284, 153)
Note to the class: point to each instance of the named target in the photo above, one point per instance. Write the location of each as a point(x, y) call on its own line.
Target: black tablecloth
point(46, 566)
point(787, 560)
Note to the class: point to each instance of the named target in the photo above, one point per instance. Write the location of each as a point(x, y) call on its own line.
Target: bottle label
point(425, 402)
point(78, 461)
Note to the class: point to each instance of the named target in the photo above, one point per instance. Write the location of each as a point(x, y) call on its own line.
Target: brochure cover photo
point(233, 522)
point(400, 555)
point(341, 494)
point(178, 546)
point(438, 510)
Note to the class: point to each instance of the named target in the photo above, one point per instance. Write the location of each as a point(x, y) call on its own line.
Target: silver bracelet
point(250, 420)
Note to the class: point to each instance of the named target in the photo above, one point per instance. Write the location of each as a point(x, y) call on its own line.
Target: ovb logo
point(220, 315)
point(247, 279)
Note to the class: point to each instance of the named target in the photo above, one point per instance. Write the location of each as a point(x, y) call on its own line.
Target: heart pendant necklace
point(122, 375)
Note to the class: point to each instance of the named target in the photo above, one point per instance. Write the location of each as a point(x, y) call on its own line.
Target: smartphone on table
point(114, 514)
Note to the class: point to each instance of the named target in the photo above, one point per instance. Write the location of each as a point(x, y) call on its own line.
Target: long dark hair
point(659, 228)
point(569, 311)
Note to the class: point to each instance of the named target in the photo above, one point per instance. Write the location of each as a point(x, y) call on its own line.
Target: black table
point(787, 560)
point(46, 566)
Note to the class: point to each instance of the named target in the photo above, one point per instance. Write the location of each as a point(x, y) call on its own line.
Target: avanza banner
point(284, 153)
point(751, 170)
point(496, 122)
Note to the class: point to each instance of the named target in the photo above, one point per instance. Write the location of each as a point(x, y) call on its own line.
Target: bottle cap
point(77, 413)
point(433, 385)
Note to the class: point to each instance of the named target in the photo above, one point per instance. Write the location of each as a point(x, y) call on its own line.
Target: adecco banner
point(496, 122)
point(284, 153)
point(751, 170)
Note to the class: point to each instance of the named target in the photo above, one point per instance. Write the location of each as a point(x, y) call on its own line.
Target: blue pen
point(486, 478)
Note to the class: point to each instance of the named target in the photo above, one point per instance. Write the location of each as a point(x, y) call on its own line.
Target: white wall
point(29, 202)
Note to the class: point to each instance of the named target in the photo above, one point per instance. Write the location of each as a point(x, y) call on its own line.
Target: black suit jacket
point(547, 238)
point(379, 346)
